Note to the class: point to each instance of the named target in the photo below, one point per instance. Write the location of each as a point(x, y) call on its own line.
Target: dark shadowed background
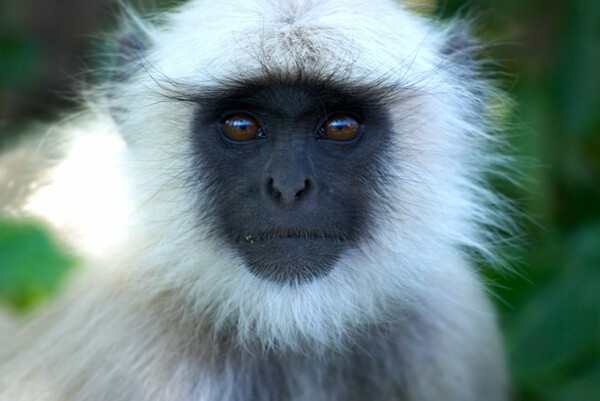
point(548, 56)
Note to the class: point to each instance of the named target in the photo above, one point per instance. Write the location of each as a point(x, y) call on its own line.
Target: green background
point(548, 60)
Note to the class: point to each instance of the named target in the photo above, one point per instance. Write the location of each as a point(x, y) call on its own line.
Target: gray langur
point(282, 200)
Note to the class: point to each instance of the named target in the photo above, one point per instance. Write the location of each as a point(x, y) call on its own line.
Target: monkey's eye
point(242, 127)
point(340, 127)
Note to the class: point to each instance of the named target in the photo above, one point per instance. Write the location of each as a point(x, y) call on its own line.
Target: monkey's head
point(304, 168)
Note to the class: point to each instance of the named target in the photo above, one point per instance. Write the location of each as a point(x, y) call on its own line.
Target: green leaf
point(581, 75)
point(585, 387)
point(558, 329)
point(32, 265)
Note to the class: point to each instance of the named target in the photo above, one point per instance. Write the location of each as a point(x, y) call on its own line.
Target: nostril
point(273, 192)
point(302, 192)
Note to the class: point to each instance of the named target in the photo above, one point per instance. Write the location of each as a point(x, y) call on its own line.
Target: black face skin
point(291, 200)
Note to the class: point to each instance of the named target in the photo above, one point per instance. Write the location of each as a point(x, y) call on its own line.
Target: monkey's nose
point(288, 190)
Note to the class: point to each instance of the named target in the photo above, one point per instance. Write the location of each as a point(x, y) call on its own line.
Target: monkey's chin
point(291, 260)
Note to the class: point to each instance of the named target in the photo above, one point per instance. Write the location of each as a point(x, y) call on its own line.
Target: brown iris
point(341, 127)
point(241, 127)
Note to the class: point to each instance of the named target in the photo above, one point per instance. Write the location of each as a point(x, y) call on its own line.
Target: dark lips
point(291, 256)
point(291, 234)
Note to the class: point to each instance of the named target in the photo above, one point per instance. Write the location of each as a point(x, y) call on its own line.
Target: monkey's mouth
point(292, 234)
point(291, 256)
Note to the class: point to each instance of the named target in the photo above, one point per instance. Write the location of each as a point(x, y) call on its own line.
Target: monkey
point(293, 202)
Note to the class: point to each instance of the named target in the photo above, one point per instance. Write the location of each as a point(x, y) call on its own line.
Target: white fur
point(170, 283)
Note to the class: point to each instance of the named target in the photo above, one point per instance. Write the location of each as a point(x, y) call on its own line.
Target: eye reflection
point(341, 127)
point(241, 127)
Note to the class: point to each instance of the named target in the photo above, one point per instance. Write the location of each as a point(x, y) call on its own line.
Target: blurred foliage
point(32, 265)
point(548, 56)
point(549, 59)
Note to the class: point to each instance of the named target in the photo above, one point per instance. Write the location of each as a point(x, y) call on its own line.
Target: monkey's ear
point(131, 46)
point(460, 47)
point(462, 54)
point(463, 59)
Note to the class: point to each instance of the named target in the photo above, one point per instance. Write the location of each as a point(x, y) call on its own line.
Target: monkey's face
point(332, 145)
point(291, 167)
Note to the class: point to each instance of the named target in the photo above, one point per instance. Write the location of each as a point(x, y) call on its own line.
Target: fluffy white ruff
point(441, 152)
